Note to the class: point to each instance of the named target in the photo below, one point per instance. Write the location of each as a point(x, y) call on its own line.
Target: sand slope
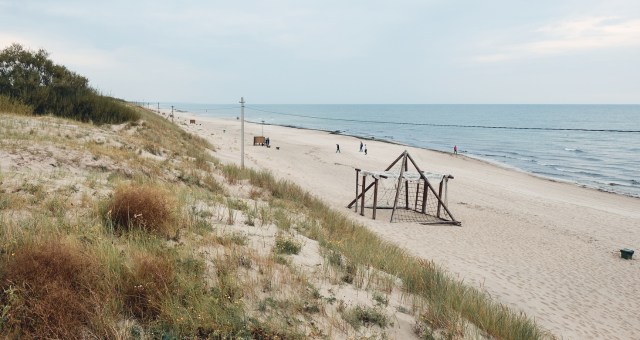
point(546, 248)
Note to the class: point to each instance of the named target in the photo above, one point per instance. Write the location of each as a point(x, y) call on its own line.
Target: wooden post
point(406, 194)
point(415, 206)
point(439, 201)
point(375, 197)
point(357, 184)
point(425, 196)
point(364, 179)
point(395, 201)
point(406, 186)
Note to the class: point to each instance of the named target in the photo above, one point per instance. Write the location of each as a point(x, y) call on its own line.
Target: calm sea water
point(554, 141)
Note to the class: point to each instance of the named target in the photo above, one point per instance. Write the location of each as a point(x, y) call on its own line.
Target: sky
point(341, 51)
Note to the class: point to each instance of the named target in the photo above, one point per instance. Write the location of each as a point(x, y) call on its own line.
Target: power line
point(444, 125)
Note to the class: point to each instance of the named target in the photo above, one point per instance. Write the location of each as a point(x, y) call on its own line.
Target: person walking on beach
point(365, 149)
point(337, 148)
point(361, 146)
point(455, 149)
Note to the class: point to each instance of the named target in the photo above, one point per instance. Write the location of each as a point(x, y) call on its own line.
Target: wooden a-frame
point(405, 158)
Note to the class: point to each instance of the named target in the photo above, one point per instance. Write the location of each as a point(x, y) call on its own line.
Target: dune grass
point(448, 299)
point(135, 259)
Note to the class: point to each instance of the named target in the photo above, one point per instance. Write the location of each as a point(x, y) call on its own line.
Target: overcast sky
point(341, 51)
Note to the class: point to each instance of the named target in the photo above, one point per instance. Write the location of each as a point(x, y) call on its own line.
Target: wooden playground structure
point(409, 195)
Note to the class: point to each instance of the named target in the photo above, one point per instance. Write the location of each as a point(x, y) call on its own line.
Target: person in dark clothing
point(337, 148)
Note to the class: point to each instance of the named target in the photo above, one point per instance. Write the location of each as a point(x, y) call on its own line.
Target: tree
point(32, 78)
point(35, 80)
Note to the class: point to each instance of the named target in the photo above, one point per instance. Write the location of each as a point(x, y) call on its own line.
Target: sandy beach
point(546, 248)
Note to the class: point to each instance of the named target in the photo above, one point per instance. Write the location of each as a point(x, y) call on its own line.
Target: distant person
point(337, 148)
point(361, 145)
point(455, 149)
point(267, 141)
point(365, 149)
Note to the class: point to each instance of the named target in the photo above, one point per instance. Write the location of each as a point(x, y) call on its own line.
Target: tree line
point(31, 78)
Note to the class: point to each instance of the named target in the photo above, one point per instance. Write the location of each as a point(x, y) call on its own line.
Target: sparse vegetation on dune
point(111, 232)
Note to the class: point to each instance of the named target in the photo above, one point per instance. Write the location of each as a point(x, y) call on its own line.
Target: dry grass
point(146, 285)
point(48, 290)
point(143, 206)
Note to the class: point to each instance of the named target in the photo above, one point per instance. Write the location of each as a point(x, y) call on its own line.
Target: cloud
point(570, 36)
point(61, 52)
point(7, 39)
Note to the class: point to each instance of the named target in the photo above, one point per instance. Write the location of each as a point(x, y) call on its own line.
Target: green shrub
point(380, 299)
point(287, 245)
point(365, 316)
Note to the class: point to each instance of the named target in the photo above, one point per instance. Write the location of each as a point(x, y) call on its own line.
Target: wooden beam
point(375, 198)
point(425, 197)
point(396, 161)
point(406, 186)
point(439, 201)
point(357, 185)
point(395, 201)
point(415, 205)
point(364, 179)
point(360, 195)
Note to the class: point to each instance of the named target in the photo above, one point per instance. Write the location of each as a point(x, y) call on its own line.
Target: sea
point(595, 146)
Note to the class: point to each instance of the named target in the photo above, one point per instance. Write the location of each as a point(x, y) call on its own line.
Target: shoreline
point(478, 158)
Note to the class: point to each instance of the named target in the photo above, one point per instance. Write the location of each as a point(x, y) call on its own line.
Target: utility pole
point(171, 113)
point(158, 107)
point(242, 132)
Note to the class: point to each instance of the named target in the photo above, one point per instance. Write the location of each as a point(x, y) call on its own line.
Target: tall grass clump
point(48, 290)
point(146, 285)
point(234, 173)
point(143, 206)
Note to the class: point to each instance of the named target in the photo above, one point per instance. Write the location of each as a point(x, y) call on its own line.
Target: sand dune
point(547, 248)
